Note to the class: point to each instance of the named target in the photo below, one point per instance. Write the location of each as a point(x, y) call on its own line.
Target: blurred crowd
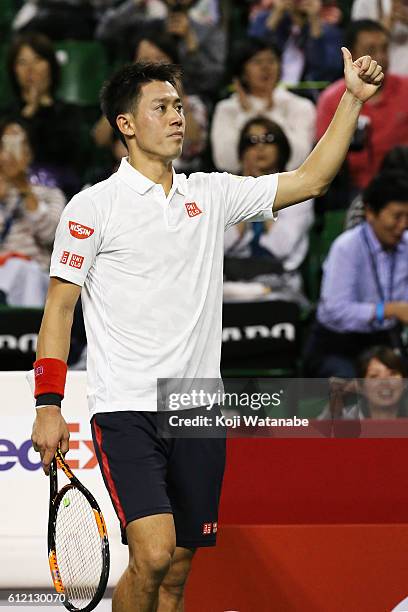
point(262, 80)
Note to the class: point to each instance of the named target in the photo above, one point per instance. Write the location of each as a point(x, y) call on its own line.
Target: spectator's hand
point(3, 188)
point(35, 97)
point(279, 9)
point(14, 170)
point(399, 310)
point(49, 431)
point(178, 24)
point(339, 387)
point(242, 96)
point(311, 8)
point(363, 76)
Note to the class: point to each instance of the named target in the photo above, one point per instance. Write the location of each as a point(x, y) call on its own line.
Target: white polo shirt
point(151, 269)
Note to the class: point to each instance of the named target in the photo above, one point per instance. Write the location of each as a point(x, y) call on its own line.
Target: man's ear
point(125, 124)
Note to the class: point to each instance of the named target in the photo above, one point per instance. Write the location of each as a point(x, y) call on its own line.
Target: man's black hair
point(43, 47)
point(362, 25)
point(396, 159)
point(120, 93)
point(386, 187)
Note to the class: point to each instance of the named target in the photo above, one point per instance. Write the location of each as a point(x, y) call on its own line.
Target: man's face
point(390, 223)
point(374, 44)
point(158, 121)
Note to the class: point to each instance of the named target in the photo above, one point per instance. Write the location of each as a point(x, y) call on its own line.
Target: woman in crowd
point(161, 48)
point(282, 244)
point(257, 72)
point(29, 215)
point(56, 129)
point(381, 388)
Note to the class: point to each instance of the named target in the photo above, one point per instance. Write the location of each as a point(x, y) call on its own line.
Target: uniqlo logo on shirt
point(64, 257)
point(76, 261)
point(192, 209)
point(80, 231)
point(207, 528)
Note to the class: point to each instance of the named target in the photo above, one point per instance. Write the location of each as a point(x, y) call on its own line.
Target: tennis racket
point(78, 547)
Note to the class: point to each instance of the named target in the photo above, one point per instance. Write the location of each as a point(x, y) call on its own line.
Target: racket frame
point(55, 501)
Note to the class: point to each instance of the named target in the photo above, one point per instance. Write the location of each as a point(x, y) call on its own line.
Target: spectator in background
point(161, 48)
point(393, 15)
point(29, 215)
point(256, 66)
point(383, 122)
point(382, 388)
point(201, 42)
point(56, 128)
point(310, 48)
point(396, 159)
point(264, 149)
point(364, 294)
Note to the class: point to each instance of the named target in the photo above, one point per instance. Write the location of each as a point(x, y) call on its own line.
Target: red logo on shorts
point(80, 231)
point(76, 261)
point(64, 257)
point(207, 528)
point(192, 209)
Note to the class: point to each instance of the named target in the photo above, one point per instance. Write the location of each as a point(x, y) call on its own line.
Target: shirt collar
point(136, 180)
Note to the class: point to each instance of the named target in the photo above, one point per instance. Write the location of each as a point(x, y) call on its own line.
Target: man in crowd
point(364, 294)
point(383, 122)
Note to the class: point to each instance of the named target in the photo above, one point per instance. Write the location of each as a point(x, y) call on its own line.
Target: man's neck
point(158, 171)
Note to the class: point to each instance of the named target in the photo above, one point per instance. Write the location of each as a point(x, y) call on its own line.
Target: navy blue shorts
point(146, 473)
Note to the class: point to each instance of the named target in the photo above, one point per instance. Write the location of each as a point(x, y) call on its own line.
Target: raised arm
point(312, 179)
point(50, 428)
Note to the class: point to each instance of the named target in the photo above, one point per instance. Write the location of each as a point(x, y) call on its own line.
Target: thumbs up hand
point(363, 76)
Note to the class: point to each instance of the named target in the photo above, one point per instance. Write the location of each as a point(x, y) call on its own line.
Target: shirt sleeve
point(339, 308)
point(248, 198)
point(77, 241)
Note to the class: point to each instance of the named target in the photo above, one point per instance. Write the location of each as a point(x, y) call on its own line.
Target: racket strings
point(78, 548)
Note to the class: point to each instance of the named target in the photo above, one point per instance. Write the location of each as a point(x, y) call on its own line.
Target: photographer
point(309, 46)
point(383, 122)
point(201, 43)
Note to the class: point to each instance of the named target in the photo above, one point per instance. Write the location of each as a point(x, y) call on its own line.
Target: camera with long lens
point(361, 136)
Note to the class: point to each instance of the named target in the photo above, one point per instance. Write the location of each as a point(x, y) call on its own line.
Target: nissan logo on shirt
point(80, 231)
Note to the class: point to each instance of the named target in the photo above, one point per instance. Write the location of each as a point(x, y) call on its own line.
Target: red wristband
point(50, 375)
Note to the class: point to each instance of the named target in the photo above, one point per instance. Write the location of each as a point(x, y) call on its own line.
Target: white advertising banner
point(24, 488)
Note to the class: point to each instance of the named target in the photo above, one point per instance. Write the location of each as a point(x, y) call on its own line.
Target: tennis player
point(145, 250)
